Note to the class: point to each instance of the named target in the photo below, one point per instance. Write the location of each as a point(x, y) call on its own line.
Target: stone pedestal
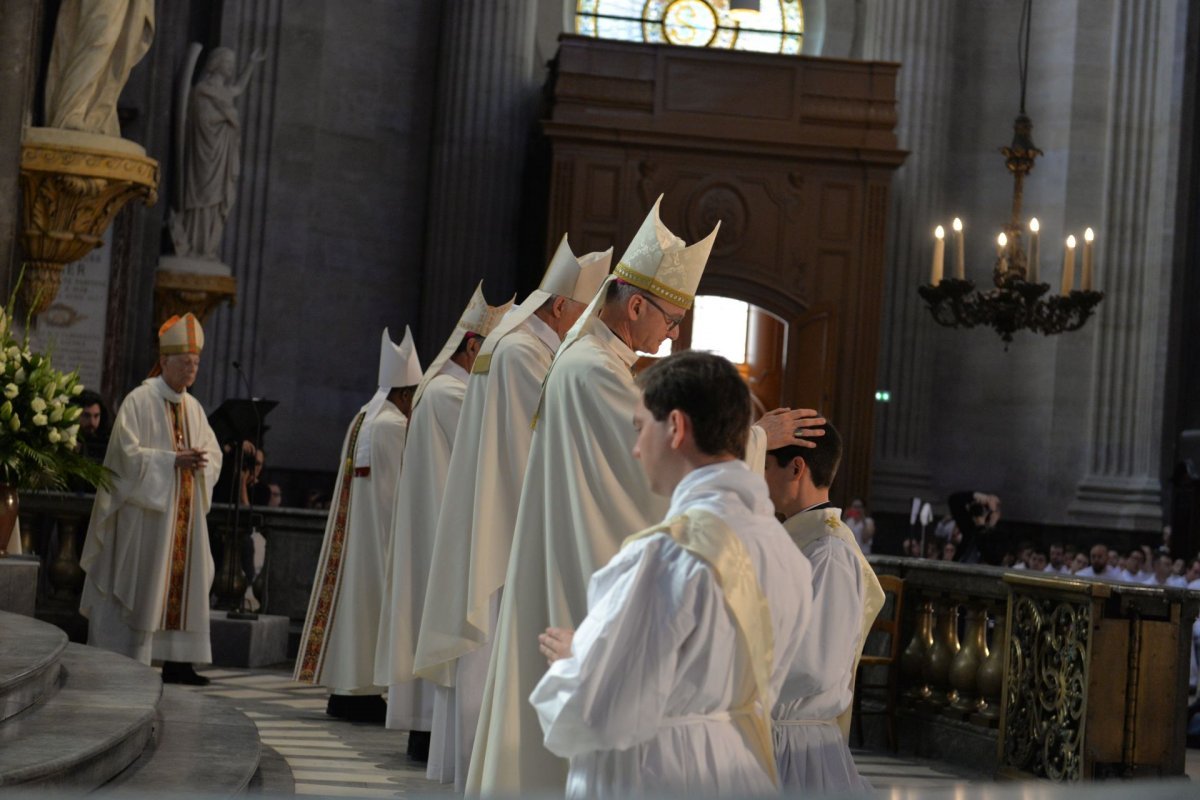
point(248, 642)
point(195, 285)
point(18, 584)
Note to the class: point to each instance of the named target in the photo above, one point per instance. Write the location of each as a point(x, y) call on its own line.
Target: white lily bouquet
point(39, 419)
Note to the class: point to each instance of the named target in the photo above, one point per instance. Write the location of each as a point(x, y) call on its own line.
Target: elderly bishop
point(147, 558)
point(475, 527)
point(337, 647)
point(431, 435)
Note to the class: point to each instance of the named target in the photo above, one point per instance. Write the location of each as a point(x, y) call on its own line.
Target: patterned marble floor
point(333, 758)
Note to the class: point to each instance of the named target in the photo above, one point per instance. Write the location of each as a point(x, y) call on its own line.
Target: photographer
point(976, 515)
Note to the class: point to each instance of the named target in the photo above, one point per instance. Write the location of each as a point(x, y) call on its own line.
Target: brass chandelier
point(1019, 300)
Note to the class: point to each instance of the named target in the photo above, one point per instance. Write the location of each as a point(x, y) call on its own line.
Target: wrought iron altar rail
point(54, 524)
point(1067, 679)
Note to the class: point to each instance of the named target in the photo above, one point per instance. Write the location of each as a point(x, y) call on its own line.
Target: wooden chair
point(889, 626)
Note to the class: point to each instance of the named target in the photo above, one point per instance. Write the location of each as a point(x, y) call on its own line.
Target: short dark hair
point(709, 390)
point(462, 345)
point(822, 461)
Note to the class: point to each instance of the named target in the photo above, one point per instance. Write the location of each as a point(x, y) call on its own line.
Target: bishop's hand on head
point(791, 426)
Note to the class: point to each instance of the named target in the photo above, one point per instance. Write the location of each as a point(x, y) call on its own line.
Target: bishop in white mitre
point(812, 715)
point(431, 433)
point(667, 685)
point(475, 526)
point(147, 558)
point(338, 645)
point(583, 491)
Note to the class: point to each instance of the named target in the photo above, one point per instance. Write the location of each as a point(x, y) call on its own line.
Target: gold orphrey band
point(629, 275)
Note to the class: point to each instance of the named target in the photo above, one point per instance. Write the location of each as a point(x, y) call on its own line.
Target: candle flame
point(1002, 240)
point(957, 224)
point(939, 232)
point(1034, 225)
point(1071, 241)
point(1088, 235)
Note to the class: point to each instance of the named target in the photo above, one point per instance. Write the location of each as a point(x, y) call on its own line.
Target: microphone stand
point(235, 537)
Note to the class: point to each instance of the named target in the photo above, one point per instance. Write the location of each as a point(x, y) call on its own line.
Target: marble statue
point(96, 44)
point(211, 161)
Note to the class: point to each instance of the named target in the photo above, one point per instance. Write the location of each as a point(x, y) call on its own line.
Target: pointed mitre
point(478, 319)
point(660, 263)
point(399, 364)
point(180, 335)
point(566, 276)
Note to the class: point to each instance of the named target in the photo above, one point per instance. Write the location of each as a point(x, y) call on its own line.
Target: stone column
point(486, 104)
point(918, 34)
point(1121, 486)
point(18, 66)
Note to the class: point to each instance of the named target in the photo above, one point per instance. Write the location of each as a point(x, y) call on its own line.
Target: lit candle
point(1068, 278)
point(1085, 282)
point(939, 255)
point(1034, 255)
point(960, 261)
point(1001, 245)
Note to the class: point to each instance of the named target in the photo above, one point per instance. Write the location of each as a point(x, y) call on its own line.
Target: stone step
point(201, 744)
point(97, 723)
point(30, 651)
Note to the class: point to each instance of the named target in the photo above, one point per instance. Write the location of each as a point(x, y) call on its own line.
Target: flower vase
point(8, 515)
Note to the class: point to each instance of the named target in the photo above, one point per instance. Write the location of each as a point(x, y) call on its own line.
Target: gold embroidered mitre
point(180, 335)
point(479, 319)
point(399, 364)
point(659, 262)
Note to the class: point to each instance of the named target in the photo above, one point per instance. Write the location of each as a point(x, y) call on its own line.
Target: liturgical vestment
point(338, 646)
point(583, 493)
point(662, 691)
point(812, 716)
point(147, 558)
point(475, 527)
point(418, 500)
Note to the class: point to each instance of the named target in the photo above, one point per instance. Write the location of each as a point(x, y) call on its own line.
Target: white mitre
point(398, 366)
point(477, 318)
point(566, 276)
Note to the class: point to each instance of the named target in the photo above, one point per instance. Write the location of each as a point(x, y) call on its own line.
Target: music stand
point(238, 420)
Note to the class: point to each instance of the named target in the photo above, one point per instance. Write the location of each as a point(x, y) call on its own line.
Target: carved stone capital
point(177, 293)
point(72, 185)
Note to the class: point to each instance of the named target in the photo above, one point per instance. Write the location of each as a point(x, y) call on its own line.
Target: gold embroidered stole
point(706, 536)
point(805, 530)
point(324, 603)
point(178, 576)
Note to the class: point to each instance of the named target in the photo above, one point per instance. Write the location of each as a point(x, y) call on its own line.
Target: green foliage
point(39, 417)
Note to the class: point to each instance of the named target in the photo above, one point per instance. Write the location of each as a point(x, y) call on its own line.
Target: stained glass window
point(777, 28)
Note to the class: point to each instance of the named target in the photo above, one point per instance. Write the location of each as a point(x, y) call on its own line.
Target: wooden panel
point(837, 206)
point(1105, 729)
point(759, 92)
point(1155, 732)
point(814, 354)
point(601, 192)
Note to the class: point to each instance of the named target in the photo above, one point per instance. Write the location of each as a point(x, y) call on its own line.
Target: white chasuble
point(812, 717)
point(689, 633)
point(147, 557)
point(338, 645)
point(475, 527)
point(418, 500)
point(583, 493)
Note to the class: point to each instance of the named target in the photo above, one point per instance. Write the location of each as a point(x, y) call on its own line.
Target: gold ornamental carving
point(177, 293)
point(72, 185)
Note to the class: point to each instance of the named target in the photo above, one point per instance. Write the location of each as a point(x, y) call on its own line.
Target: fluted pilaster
point(918, 34)
point(486, 104)
point(1121, 486)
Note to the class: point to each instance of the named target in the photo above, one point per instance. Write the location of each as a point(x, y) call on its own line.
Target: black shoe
point(418, 745)
point(181, 672)
point(357, 708)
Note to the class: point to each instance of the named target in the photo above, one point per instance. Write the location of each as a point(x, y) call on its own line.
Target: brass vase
point(913, 657)
point(964, 668)
point(941, 654)
point(9, 506)
point(990, 680)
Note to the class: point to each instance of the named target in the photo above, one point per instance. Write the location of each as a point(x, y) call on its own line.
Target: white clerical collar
point(614, 343)
point(165, 390)
point(452, 369)
point(539, 328)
